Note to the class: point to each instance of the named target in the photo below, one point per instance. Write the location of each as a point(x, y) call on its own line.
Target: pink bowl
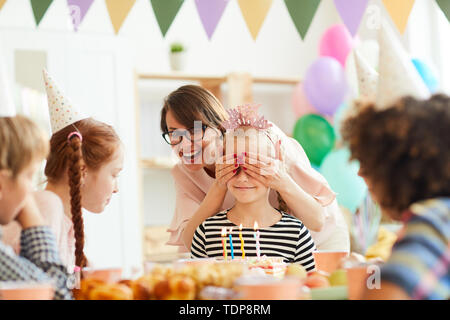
point(268, 288)
point(26, 291)
point(328, 261)
point(357, 278)
point(108, 275)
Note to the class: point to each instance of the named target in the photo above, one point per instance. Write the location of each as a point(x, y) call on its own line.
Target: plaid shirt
point(38, 261)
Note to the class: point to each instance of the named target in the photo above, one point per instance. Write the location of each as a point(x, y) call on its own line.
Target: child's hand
point(226, 168)
point(30, 216)
point(267, 170)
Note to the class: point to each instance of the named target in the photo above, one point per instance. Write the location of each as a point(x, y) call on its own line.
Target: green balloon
point(316, 136)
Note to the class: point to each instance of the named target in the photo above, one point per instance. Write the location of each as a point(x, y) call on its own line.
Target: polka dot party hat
point(7, 107)
point(62, 111)
point(367, 77)
point(397, 75)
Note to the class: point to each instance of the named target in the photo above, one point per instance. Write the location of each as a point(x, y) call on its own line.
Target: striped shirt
point(420, 259)
point(288, 239)
point(38, 261)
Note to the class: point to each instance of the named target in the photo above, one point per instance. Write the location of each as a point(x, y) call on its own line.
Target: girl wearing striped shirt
point(281, 234)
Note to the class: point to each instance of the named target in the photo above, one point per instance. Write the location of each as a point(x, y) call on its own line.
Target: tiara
point(246, 115)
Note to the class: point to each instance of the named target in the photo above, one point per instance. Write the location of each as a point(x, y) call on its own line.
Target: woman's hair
point(403, 150)
point(21, 143)
point(193, 103)
point(97, 146)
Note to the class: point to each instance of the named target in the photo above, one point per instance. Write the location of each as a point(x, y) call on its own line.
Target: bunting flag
point(78, 9)
point(302, 14)
point(39, 9)
point(444, 5)
point(210, 12)
point(399, 10)
point(254, 12)
point(118, 11)
point(165, 12)
point(351, 12)
point(2, 2)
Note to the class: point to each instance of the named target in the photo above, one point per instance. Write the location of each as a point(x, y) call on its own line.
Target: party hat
point(367, 77)
point(7, 108)
point(397, 75)
point(62, 111)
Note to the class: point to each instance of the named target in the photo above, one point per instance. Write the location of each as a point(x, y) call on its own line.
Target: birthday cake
point(272, 266)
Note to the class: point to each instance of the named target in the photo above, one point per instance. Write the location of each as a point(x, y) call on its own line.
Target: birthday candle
point(224, 243)
point(231, 244)
point(256, 235)
point(242, 241)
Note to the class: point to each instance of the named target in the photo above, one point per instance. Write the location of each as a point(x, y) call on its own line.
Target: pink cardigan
point(192, 187)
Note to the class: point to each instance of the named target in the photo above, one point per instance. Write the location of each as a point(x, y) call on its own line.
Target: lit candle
point(224, 243)
point(231, 244)
point(242, 241)
point(256, 235)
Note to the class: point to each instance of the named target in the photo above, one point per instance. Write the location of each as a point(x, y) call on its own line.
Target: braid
point(74, 171)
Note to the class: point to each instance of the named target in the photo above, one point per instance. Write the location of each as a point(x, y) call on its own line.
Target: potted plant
point(177, 56)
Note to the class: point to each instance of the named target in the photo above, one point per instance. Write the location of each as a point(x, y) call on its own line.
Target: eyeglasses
point(193, 134)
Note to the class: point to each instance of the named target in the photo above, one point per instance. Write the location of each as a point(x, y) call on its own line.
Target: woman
point(405, 160)
point(191, 123)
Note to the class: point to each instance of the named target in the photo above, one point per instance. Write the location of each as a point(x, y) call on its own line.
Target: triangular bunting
point(39, 9)
point(254, 12)
point(399, 10)
point(165, 12)
point(302, 14)
point(78, 9)
point(210, 12)
point(445, 7)
point(118, 11)
point(351, 12)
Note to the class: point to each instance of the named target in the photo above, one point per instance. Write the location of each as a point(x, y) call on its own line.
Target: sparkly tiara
point(246, 115)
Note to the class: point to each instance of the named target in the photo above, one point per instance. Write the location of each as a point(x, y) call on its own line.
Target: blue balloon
point(427, 75)
point(343, 178)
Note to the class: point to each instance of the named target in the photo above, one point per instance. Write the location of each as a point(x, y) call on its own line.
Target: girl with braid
point(86, 157)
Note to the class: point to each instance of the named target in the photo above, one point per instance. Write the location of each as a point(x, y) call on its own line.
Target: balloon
point(326, 85)
point(427, 75)
point(343, 178)
point(336, 42)
point(316, 136)
point(300, 103)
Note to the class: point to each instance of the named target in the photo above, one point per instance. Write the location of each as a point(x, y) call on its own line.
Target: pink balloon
point(337, 42)
point(300, 103)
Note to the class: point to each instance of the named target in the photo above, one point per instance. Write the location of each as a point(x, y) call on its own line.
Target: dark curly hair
point(403, 150)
